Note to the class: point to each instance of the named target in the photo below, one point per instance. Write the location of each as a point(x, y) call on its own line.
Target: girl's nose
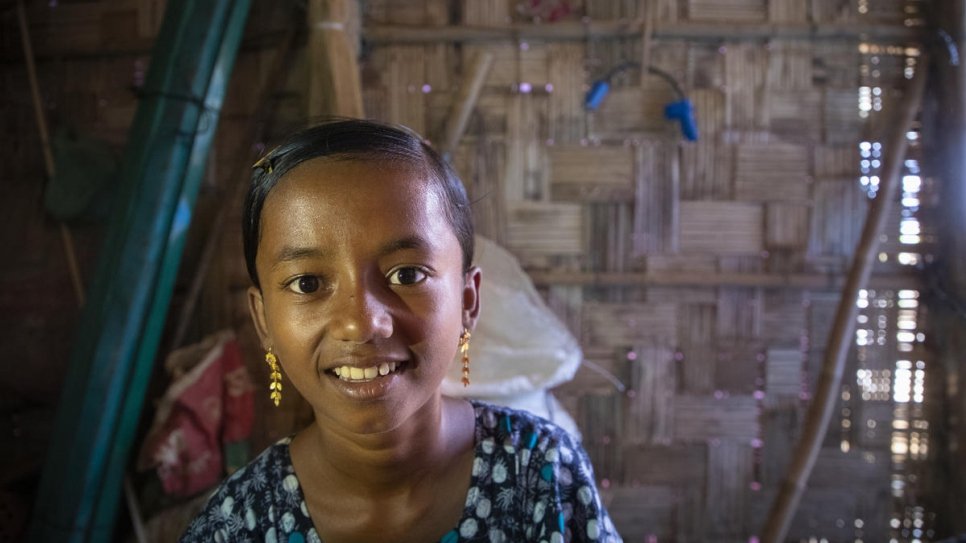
point(358, 315)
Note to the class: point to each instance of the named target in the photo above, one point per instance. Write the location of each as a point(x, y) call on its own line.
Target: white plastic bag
point(519, 348)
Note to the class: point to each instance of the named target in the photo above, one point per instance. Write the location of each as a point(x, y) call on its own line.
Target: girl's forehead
point(361, 173)
point(355, 191)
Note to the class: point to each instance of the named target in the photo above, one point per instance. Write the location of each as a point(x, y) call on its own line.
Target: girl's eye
point(306, 284)
point(407, 276)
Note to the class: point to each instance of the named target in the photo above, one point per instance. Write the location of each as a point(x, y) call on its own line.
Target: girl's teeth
point(350, 373)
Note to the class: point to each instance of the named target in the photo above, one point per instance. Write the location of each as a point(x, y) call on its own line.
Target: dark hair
point(351, 139)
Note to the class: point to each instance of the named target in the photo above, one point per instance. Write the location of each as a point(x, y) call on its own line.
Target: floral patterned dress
point(531, 481)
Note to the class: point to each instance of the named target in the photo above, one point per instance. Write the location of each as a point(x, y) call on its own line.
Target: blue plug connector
point(683, 111)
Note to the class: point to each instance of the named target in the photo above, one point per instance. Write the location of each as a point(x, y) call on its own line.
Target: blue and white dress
point(531, 481)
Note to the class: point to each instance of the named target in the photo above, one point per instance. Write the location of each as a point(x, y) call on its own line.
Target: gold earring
point(275, 377)
point(465, 352)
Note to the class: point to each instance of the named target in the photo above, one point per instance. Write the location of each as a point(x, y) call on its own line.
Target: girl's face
point(363, 296)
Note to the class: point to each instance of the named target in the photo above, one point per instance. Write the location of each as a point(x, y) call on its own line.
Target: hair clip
point(264, 163)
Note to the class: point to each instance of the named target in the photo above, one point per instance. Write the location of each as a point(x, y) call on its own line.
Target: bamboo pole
point(821, 408)
point(603, 30)
point(469, 94)
point(805, 281)
point(334, 84)
point(41, 119)
point(258, 125)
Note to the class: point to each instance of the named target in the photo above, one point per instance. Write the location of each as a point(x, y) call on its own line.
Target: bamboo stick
point(599, 30)
point(672, 278)
point(334, 83)
point(821, 408)
point(469, 93)
point(41, 118)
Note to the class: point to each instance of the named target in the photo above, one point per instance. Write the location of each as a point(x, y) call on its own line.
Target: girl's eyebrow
point(289, 254)
point(409, 242)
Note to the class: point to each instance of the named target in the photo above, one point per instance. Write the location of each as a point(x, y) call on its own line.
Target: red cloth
point(209, 406)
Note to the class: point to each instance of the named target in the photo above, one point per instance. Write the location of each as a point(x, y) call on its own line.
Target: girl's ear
point(471, 297)
point(256, 307)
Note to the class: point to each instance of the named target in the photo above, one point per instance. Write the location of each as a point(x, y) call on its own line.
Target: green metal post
point(120, 327)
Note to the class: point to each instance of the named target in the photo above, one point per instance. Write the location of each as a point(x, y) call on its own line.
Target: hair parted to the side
point(354, 139)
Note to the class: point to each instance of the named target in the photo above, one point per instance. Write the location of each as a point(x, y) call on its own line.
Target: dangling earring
point(465, 352)
point(275, 377)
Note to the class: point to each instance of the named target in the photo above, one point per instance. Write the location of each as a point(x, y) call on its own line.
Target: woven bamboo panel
point(746, 70)
point(706, 73)
point(835, 161)
point(786, 226)
point(670, 10)
point(834, 66)
point(832, 11)
point(526, 165)
point(565, 67)
point(631, 110)
point(513, 64)
point(710, 108)
point(653, 377)
point(842, 122)
point(600, 419)
point(780, 432)
point(665, 465)
point(648, 512)
point(580, 173)
point(787, 11)
point(656, 198)
point(795, 115)
point(404, 80)
point(790, 66)
point(727, 487)
point(695, 321)
point(867, 469)
point(486, 13)
point(721, 228)
point(699, 418)
point(538, 228)
point(739, 313)
point(739, 366)
point(481, 166)
point(621, 325)
point(728, 10)
point(783, 375)
point(762, 172)
point(837, 218)
point(609, 237)
point(707, 169)
point(699, 364)
point(784, 317)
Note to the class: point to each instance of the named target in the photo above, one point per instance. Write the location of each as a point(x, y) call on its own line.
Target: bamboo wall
point(701, 275)
point(717, 361)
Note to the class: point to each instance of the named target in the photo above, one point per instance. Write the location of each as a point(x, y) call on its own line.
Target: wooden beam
point(567, 31)
point(805, 281)
point(469, 93)
point(334, 83)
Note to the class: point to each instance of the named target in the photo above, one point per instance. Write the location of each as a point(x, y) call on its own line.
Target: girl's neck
point(437, 435)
